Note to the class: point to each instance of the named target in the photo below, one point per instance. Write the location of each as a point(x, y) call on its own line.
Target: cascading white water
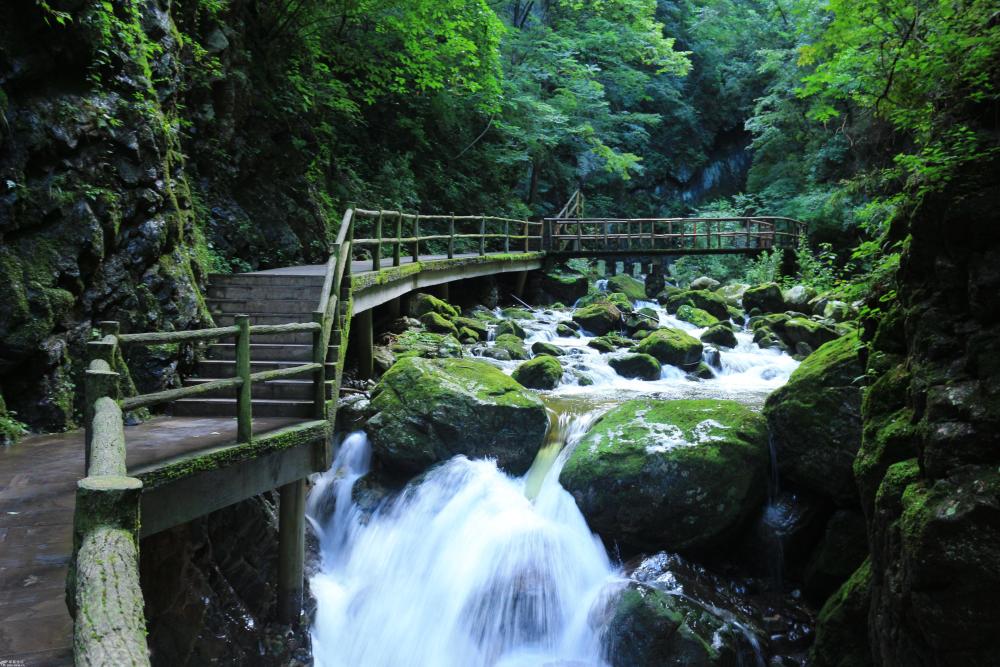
point(462, 569)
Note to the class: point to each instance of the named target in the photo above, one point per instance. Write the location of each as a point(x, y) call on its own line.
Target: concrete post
point(365, 340)
point(244, 404)
point(291, 551)
point(520, 280)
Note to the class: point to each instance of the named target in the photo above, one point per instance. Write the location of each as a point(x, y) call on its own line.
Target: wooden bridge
point(259, 414)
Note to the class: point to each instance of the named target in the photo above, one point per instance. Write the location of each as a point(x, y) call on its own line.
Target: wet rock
point(542, 372)
point(353, 411)
point(511, 328)
point(641, 366)
point(511, 346)
point(566, 331)
point(696, 316)
point(428, 410)
point(842, 638)
point(437, 323)
point(671, 346)
point(720, 334)
point(701, 372)
point(710, 302)
point(477, 326)
point(810, 332)
point(383, 358)
point(598, 318)
point(842, 549)
point(609, 342)
point(704, 282)
point(564, 284)
point(517, 314)
point(421, 304)
point(767, 298)
point(634, 289)
point(401, 324)
point(676, 475)
point(797, 298)
point(733, 293)
point(815, 422)
point(644, 318)
point(426, 344)
point(541, 347)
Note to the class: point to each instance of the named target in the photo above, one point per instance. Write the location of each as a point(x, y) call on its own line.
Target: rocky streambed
point(596, 484)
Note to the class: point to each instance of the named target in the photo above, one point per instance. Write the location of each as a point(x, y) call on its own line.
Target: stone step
point(265, 279)
point(263, 351)
point(263, 306)
point(226, 407)
point(291, 389)
point(226, 368)
point(250, 292)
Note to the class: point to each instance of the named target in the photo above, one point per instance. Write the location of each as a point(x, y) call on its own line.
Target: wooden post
point(416, 238)
point(607, 224)
point(451, 236)
point(291, 550)
point(350, 239)
point(579, 234)
point(527, 238)
point(244, 405)
point(377, 254)
point(482, 236)
point(319, 377)
point(397, 248)
point(506, 237)
point(364, 337)
point(99, 381)
point(520, 280)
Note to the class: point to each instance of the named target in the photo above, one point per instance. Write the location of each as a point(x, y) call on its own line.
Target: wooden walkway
point(37, 494)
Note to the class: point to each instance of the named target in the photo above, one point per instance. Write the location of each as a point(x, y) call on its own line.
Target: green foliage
point(764, 268)
point(816, 269)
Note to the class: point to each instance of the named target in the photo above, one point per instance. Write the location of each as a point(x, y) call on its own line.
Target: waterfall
point(466, 567)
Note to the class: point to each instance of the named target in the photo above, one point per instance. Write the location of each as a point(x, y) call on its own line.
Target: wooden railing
point(396, 229)
point(734, 234)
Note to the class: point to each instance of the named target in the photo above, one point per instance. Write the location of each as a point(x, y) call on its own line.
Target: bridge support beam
point(520, 280)
point(364, 338)
point(291, 551)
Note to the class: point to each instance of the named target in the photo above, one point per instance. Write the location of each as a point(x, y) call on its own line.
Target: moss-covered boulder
point(619, 300)
point(815, 421)
point(542, 347)
point(641, 319)
point(732, 293)
point(478, 326)
point(634, 289)
point(719, 334)
point(428, 410)
point(696, 316)
point(797, 298)
point(425, 344)
point(710, 302)
point(564, 284)
point(649, 627)
point(542, 372)
point(511, 327)
point(517, 313)
point(598, 318)
point(842, 626)
point(841, 550)
point(507, 347)
point(641, 366)
point(766, 298)
point(704, 282)
point(802, 330)
point(609, 342)
point(672, 346)
point(566, 331)
point(467, 336)
point(676, 475)
point(421, 304)
point(437, 323)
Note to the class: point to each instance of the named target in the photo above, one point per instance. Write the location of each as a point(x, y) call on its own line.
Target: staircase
point(268, 298)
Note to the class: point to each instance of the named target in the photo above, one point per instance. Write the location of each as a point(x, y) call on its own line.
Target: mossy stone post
point(527, 238)
point(506, 236)
point(397, 247)
point(482, 236)
point(364, 338)
point(416, 238)
point(451, 236)
point(319, 377)
point(291, 550)
point(244, 405)
point(350, 248)
point(377, 253)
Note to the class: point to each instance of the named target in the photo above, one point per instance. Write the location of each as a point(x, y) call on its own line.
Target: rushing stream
point(471, 567)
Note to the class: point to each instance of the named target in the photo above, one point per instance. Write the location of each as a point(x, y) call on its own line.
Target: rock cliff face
point(927, 470)
point(133, 156)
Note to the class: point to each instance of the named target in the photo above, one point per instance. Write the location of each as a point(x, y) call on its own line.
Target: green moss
point(710, 302)
point(671, 346)
point(513, 345)
point(842, 625)
point(696, 316)
point(438, 323)
point(634, 289)
point(517, 314)
point(542, 372)
point(476, 325)
point(11, 430)
point(422, 304)
point(511, 328)
point(541, 347)
point(599, 318)
point(641, 366)
point(425, 344)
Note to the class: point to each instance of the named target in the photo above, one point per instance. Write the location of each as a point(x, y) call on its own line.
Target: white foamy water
point(463, 569)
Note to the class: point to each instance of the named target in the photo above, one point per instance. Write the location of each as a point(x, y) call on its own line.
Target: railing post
point(482, 236)
point(319, 377)
point(527, 238)
point(244, 406)
point(579, 234)
point(349, 260)
point(377, 254)
point(416, 238)
point(291, 550)
point(397, 248)
point(451, 236)
point(506, 236)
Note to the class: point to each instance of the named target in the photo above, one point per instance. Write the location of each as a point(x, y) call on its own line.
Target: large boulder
point(507, 347)
point(732, 293)
point(797, 298)
point(649, 627)
point(564, 284)
point(429, 410)
point(542, 372)
point(634, 289)
point(842, 638)
point(542, 347)
point(421, 304)
point(675, 475)
point(511, 327)
point(720, 334)
point(704, 282)
point(815, 421)
point(696, 316)
point(438, 323)
point(766, 298)
point(710, 302)
point(672, 346)
point(598, 318)
point(425, 344)
point(641, 366)
point(609, 342)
